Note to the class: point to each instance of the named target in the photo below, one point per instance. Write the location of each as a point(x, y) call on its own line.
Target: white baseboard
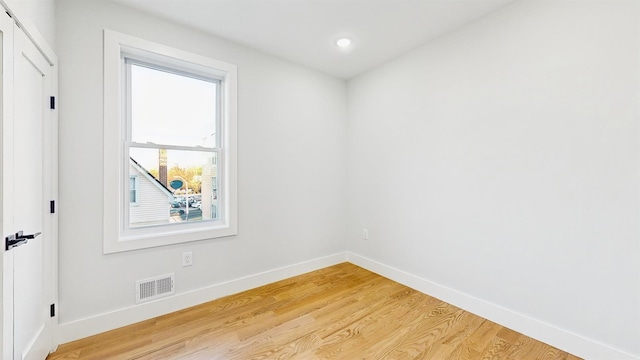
point(93, 325)
point(552, 335)
point(549, 334)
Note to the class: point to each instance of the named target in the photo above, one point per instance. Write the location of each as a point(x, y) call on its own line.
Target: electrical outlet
point(365, 234)
point(187, 259)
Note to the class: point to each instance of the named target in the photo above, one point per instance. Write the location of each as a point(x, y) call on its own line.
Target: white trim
point(82, 328)
point(30, 30)
point(547, 333)
point(53, 238)
point(6, 184)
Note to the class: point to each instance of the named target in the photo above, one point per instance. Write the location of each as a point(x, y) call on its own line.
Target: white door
point(28, 273)
point(6, 192)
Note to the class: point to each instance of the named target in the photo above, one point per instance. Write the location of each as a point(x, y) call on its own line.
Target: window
point(133, 190)
point(171, 121)
point(170, 130)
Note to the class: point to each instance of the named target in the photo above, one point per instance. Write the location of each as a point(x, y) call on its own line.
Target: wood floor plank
point(453, 338)
point(340, 312)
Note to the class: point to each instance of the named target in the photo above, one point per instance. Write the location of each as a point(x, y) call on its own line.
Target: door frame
point(51, 223)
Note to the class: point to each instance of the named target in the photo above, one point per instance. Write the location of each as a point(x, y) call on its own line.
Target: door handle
point(18, 239)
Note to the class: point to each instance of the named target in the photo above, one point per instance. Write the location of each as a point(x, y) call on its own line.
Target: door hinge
point(53, 310)
point(52, 206)
point(52, 102)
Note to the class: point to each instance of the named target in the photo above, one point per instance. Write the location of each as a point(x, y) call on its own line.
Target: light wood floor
point(340, 312)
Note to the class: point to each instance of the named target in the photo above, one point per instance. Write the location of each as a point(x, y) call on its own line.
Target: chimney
point(162, 171)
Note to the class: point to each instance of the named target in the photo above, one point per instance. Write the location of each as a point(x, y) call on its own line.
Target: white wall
point(501, 161)
point(41, 13)
point(292, 177)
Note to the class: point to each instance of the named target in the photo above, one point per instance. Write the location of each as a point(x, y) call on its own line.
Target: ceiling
point(305, 31)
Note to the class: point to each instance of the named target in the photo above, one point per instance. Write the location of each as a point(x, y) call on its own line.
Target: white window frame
point(136, 187)
point(117, 235)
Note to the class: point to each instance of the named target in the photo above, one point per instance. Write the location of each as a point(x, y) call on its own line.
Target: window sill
point(136, 240)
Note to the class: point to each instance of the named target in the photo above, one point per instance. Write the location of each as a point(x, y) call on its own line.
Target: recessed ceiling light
point(344, 42)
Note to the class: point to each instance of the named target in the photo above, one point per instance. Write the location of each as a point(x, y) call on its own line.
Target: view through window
point(173, 145)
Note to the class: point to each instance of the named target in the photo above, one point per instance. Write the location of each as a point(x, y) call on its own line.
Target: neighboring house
point(150, 201)
point(209, 190)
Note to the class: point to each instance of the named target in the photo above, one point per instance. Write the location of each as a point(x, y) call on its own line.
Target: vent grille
point(153, 288)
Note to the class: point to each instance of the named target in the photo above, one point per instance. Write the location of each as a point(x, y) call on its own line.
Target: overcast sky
point(171, 109)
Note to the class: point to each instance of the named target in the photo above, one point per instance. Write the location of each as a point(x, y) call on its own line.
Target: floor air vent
point(153, 288)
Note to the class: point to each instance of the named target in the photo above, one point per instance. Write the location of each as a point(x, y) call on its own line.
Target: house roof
point(148, 175)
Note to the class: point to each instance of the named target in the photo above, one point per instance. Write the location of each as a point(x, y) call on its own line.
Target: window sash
point(127, 117)
point(171, 69)
point(215, 220)
point(128, 60)
point(129, 144)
